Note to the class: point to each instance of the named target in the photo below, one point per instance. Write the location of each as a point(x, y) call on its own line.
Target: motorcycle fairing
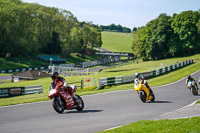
point(141, 87)
point(68, 98)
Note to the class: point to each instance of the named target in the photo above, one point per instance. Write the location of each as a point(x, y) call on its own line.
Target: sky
point(127, 13)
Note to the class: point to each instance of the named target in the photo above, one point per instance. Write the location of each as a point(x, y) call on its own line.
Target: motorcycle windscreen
point(52, 93)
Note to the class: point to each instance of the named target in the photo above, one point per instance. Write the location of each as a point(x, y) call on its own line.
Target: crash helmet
point(137, 75)
point(54, 75)
point(189, 77)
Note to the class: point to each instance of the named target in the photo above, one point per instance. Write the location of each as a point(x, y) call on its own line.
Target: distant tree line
point(28, 29)
point(114, 28)
point(168, 36)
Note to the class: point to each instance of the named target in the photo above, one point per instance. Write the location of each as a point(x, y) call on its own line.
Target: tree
point(139, 38)
point(160, 35)
point(53, 46)
point(28, 29)
point(135, 29)
point(184, 24)
point(90, 37)
point(150, 42)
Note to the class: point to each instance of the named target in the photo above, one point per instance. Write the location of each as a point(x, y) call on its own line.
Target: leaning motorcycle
point(193, 88)
point(63, 100)
point(144, 93)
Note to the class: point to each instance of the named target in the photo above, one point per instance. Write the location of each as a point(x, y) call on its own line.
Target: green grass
point(198, 101)
point(189, 125)
point(4, 74)
point(117, 42)
point(18, 63)
point(76, 58)
point(174, 76)
point(112, 41)
point(8, 81)
point(129, 68)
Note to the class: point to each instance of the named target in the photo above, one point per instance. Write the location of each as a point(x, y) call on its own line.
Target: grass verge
point(198, 102)
point(190, 125)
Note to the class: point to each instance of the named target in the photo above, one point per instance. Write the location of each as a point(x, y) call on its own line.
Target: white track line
point(193, 103)
point(155, 118)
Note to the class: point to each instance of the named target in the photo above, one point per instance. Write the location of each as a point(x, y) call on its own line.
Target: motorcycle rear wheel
point(194, 91)
point(58, 105)
point(80, 103)
point(153, 96)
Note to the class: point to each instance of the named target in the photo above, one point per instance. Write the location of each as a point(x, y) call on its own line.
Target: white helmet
point(137, 75)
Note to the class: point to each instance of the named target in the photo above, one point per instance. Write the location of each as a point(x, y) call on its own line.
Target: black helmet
point(54, 75)
point(189, 77)
point(137, 75)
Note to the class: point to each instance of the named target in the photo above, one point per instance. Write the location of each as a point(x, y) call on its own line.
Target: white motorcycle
point(192, 86)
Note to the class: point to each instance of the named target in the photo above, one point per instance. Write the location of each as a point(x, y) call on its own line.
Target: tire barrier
point(130, 78)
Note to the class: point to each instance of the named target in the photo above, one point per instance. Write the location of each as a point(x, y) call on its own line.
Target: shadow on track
point(83, 111)
point(160, 102)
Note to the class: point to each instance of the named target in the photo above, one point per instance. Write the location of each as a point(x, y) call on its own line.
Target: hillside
point(117, 42)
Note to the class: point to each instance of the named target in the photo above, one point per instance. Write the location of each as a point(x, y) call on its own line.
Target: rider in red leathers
point(61, 82)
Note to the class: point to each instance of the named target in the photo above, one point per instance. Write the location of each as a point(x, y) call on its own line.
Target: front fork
point(60, 101)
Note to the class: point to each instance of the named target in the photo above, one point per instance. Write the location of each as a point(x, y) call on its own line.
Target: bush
point(107, 87)
point(89, 88)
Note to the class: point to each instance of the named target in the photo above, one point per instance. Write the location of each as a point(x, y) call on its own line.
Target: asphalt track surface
point(102, 111)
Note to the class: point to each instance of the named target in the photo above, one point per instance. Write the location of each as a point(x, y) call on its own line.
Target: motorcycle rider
point(141, 79)
point(189, 78)
point(61, 82)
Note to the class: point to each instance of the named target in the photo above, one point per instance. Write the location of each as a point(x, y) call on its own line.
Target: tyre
point(58, 105)
point(152, 95)
point(153, 98)
point(142, 96)
point(196, 91)
point(193, 90)
point(80, 103)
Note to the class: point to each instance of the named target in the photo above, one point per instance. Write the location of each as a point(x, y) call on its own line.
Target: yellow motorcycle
point(144, 93)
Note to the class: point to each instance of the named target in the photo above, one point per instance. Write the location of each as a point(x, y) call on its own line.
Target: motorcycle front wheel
point(58, 105)
point(80, 103)
point(142, 96)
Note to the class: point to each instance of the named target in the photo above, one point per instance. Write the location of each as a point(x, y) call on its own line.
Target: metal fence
point(81, 68)
point(88, 82)
point(22, 69)
point(16, 91)
point(130, 78)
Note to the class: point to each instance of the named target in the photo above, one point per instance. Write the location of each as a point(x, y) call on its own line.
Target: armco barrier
point(16, 91)
point(33, 89)
point(22, 69)
point(130, 78)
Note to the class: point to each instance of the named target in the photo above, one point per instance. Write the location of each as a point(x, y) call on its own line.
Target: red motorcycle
point(63, 100)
